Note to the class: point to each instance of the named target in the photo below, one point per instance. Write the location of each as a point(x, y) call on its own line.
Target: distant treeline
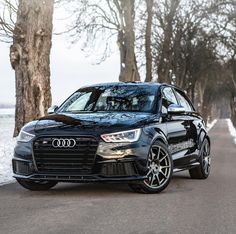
point(6, 105)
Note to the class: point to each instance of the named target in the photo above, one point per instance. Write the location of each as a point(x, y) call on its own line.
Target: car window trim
point(187, 99)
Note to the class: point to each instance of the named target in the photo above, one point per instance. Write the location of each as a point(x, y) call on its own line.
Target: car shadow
point(178, 183)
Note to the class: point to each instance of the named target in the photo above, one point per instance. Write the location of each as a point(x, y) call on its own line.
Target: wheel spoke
point(155, 155)
point(206, 164)
point(153, 178)
point(164, 167)
point(163, 174)
point(206, 168)
point(165, 156)
point(152, 155)
point(158, 153)
point(206, 149)
point(158, 180)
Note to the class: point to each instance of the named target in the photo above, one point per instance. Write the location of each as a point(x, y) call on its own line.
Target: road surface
point(186, 206)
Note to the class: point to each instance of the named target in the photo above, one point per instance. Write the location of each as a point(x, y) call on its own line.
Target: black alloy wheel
point(203, 170)
point(160, 168)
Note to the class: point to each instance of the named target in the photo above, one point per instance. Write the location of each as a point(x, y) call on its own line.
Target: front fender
point(157, 133)
point(202, 136)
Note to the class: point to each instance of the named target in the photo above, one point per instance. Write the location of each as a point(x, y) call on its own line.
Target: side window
point(183, 102)
point(168, 98)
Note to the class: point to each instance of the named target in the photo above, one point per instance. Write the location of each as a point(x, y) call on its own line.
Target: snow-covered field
point(6, 144)
point(232, 129)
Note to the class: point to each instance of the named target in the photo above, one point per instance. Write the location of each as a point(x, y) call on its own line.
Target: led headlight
point(25, 136)
point(125, 136)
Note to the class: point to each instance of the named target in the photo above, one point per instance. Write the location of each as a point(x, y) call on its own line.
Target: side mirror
point(52, 109)
point(175, 109)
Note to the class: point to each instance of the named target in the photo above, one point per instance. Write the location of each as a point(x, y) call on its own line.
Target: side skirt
point(190, 166)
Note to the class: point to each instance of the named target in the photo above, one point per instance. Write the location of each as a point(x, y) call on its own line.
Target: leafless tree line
point(189, 43)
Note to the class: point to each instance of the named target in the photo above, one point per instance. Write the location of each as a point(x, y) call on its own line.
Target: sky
point(70, 67)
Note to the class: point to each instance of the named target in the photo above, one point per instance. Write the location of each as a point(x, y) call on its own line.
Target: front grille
point(78, 159)
point(118, 169)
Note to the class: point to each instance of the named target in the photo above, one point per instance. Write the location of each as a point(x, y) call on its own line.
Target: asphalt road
point(186, 206)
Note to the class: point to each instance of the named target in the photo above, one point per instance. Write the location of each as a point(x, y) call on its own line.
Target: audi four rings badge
point(63, 143)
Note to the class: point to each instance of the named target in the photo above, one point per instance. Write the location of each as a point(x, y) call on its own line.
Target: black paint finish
point(183, 134)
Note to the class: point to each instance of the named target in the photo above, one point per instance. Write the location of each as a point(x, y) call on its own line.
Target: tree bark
point(30, 58)
point(148, 42)
point(126, 42)
point(233, 91)
point(166, 53)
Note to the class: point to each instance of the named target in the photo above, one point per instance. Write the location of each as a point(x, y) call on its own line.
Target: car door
point(177, 126)
point(195, 123)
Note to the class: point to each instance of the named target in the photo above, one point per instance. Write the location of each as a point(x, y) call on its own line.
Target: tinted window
point(132, 98)
point(183, 102)
point(168, 98)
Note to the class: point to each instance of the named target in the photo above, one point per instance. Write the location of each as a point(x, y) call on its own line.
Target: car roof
point(125, 84)
point(138, 83)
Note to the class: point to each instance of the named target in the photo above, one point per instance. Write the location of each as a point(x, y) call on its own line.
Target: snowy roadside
point(211, 125)
point(7, 143)
point(232, 129)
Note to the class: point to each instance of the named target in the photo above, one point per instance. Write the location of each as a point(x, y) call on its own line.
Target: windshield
point(111, 99)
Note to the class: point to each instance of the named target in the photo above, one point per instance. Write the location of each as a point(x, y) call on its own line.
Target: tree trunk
point(206, 110)
point(148, 42)
point(164, 64)
point(233, 91)
point(30, 58)
point(126, 41)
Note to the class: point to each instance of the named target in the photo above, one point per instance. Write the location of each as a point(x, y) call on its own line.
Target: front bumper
point(112, 171)
point(79, 178)
point(111, 162)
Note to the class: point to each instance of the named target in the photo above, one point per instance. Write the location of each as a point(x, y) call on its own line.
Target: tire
point(36, 185)
point(160, 168)
point(203, 170)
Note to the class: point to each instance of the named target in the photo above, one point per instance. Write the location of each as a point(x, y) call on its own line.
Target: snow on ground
point(7, 143)
point(232, 129)
point(211, 124)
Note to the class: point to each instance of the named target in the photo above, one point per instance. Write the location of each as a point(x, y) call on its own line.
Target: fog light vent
point(21, 167)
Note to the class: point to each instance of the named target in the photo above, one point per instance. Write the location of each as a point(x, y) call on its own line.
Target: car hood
point(102, 121)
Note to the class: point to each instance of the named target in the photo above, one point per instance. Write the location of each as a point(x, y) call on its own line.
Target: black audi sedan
point(134, 133)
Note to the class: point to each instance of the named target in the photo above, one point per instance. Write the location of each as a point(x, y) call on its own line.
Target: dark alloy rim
point(206, 160)
point(159, 165)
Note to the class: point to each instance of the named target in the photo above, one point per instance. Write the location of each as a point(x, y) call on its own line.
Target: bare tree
point(126, 41)
point(187, 43)
point(164, 63)
point(102, 23)
point(8, 9)
point(148, 40)
point(223, 18)
point(29, 56)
